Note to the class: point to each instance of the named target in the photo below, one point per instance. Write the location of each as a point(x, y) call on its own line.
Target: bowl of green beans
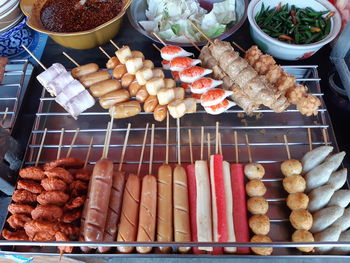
point(293, 29)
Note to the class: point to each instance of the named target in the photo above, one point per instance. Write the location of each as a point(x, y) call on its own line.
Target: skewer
point(60, 144)
point(142, 150)
point(88, 153)
point(167, 139)
point(287, 146)
point(151, 153)
point(34, 57)
point(104, 52)
point(325, 138)
point(4, 117)
point(248, 148)
point(238, 46)
point(310, 139)
point(236, 146)
point(208, 141)
point(161, 40)
point(156, 47)
point(200, 31)
point(73, 142)
point(191, 41)
point(178, 141)
point(202, 142)
point(41, 147)
point(190, 142)
point(217, 138)
point(114, 44)
point(71, 59)
point(124, 148)
point(109, 135)
point(220, 145)
point(104, 156)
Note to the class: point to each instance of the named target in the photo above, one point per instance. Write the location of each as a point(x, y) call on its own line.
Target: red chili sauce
point(78, 15)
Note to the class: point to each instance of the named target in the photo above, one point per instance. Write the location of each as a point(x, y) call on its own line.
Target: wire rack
point(11, 91)
point(265, 134)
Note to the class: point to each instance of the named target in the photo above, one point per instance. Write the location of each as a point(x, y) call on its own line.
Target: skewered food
point(193, 73)
point(257, 205)
point(202, 85)
point(170, 52)
point(30, 186)
point(75, 203)
point(297, 201)
point(255, 187)
point(214, 96)
point(264, 251)
point(326, 217)
point(103, 87)
point(254, 171)
point(33, 173)
point(315, 157)
point(60, 173)
point(17, 235)
point(125, 109)
point(177, 108)
point(302, 235)
point(259, 224)
point(52, 72)
point(319, 197)
point(344, 221)
point(69, 162)
point(220, 108)
point(123, 54)
point(330, 234)
point(47, 212)
point(291, 167)
point(338, 179)
point(110, 99)
point(52, 198)
point(20, 209)
point(301, 219)
point(24, 196)
point(340, 198)
point(17, 221)
point(294, 183)
point(181, 63)
point(308, 105)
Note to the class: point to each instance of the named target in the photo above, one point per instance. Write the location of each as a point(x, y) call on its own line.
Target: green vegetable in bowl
point(294, 25)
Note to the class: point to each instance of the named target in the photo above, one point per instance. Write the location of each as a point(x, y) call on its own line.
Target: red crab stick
point(240, 208)
point(218, 201)
point(181, 63)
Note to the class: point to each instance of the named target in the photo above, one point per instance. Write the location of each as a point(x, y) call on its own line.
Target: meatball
point(254, 171)
point(60, 173)
point(302, 235)
point(52, 198)
point(263, 251)
point(291, 167)
point(259, 224)
point(30, 186)
point(20, 209)
point(47, 212)
point(53, 184)
point(257, 205)
point(297, 201)
point(255, 187)
point(23, 196)
point(294, 184)
point(301, 219)
point(32, 172)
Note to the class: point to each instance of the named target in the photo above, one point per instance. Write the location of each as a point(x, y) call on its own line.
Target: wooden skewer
point(4, 117)
point(325, 137)
point(60, 144)
point(220, 145)
point(156, 47)
point(71, 59)
point(151, 151)
point(41, 147)
point(167, 139)
point(104, 52)
point(200, 31)
point(104, 156)
point(238, 46)
point(178, 141)
point(248, 148)
point(114, 44)
point(236, 146)
point(88, 153)
point(142, 150)
point(310, 138)
point(192, 42)
point(161, 40)
point(109, 135)
point(190, 142)
point(202, 142)
point(287, 146)
point(34, 57)
point(217, 138)
point(208, 141)
point(124, 148)
point(73, 142)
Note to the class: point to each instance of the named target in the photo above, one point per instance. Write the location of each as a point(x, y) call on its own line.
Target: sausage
point(114, 97)
point(142, 95)
point(134, 88)
point(127, 79)
point(112, 63)
point(165, 206)
point(130, 213)
point(143, 75)
point(160, 112)
point(150, 104)
point(97, 207)
point(137, 54)
point(119, 71)
point(114, 209)
point(182, 231)
point(92, 78)
point(148, 210)
point(125, 109)
point(83, 70)
point(148, 64)
point(101, 88)
point(133, 65)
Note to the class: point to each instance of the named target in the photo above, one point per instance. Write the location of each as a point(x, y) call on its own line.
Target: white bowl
point(284, 50)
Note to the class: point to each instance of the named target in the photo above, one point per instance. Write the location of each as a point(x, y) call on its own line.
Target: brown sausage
point(127, 79)
point(119, 71)
point(160, 112)
point(101, 88)
point(150, 104)
point(97, 207)
point(130, 213)
point(112, 63)
point(134, 88)
point(142, 94)
point(114, 97)
point(125, 109)
point(83, 70)
point(92, 78)
point(182, 231)
point(148, 211)
point(165, 206)
point(114, 209)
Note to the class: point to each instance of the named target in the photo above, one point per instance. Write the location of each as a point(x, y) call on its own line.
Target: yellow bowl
point(77, 40)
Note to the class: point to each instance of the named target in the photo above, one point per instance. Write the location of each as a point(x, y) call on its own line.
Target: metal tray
point(266, 142)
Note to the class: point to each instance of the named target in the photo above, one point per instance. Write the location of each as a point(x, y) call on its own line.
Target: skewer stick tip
point(310, 138)
point(71, 59)
point(201, 31)
point(105, 53)
point(248, 149)
point(158, 37)
point(236, 146)
point(325, 137)
point(124, 148)
point(156, 47)
point(114, 44)
point(34, 57)
point(287, 146)
point(238, 46)
point(190, 142)
point(191, 41)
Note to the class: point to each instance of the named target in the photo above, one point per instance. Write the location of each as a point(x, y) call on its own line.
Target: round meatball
point(254, 171)
point(255, 187)
point(263, 251)
point(259, 224)
point(302, 235)
point(291, 167)
point(294, 184)
point(257, 205)
point(301, 219)
point(297, 201)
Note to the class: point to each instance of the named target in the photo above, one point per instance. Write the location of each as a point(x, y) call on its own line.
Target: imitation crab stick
point(181, 63)
point(214, 96)
point(204, 84)
point(170, 52)
point(193, 73)
point(220, 108)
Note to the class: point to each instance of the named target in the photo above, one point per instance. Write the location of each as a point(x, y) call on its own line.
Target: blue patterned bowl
point(12, 40)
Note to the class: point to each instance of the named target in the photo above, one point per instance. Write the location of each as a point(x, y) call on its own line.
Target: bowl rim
point(120, 15)
point(226, 34)
point(336, 20)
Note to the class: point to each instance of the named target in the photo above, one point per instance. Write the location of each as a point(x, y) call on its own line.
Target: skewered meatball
point(259, 224)
point(302, 235)
point(18, 220)
point(47, 212)
point(297, 201)
point(52, 198)
point(263, 64)
point(53, 184)
point(301, 219)
point(296, 93)
point(257, 205)
point(274, 74)
point(264, 251)
point(30, 186)
point(294, 184)
point(17, 235)
point(255, 187)
point(23, 196)
point(254, 171)
point(32, 172)
point(285, 82)
point(252, 54)
point(20, 209)
point(291, 167)
point(60, 173)
point(309, 105)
